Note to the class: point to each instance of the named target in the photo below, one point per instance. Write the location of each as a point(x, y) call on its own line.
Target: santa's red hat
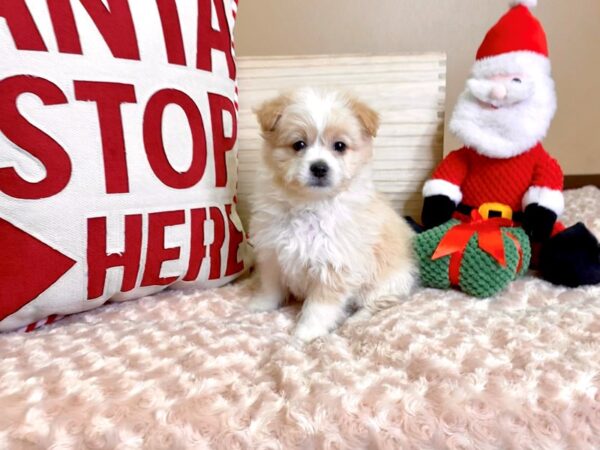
point(515, 44)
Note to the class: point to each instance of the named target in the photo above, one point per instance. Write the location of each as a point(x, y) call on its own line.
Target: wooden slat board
point(407, 90)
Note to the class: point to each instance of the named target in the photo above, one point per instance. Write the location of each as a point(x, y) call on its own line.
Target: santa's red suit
point(473, 179)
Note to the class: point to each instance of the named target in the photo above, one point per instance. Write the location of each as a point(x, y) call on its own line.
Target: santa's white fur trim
point(442, 187)
point(528, 3)
point(523, 61)
point(546, 197)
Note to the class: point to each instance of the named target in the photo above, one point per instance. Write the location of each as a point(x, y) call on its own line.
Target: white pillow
point(117, 162)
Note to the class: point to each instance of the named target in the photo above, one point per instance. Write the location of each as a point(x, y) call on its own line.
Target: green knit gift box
point(480, 274)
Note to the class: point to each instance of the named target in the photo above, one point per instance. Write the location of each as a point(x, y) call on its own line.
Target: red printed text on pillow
point(213, 131)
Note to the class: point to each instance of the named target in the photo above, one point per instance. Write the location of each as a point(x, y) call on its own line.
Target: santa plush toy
point(503, 169)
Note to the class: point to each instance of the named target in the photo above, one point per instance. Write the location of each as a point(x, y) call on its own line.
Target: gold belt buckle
point(491, 210)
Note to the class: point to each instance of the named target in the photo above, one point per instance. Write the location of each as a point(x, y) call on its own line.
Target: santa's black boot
point(571, 258)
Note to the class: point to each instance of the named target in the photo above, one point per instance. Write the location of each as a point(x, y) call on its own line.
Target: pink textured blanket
point(195, 370)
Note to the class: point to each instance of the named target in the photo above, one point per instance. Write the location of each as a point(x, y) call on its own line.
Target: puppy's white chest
point(310, 245)
point(308, 238)
point(309, 226)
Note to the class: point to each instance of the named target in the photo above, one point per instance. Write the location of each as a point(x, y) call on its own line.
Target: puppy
point(320, 230)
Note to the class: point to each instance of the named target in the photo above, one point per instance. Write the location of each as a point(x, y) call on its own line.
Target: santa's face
point(501, 91)
point(504, 113)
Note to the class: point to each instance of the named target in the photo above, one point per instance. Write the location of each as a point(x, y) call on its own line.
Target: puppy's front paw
point(359, 317)
point(264, 303)
point(309, 332)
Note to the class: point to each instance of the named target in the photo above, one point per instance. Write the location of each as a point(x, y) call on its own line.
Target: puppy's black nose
point(319, 169)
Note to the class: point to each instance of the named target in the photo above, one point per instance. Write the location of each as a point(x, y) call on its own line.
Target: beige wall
point(278, 27)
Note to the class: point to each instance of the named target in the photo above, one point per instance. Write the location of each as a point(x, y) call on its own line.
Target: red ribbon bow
point(490, 240)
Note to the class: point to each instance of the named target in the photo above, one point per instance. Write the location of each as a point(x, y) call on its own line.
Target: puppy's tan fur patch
point(367, 116)
point(269, 113)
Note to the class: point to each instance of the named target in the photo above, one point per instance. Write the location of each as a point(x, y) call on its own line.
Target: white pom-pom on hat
point(528, 3)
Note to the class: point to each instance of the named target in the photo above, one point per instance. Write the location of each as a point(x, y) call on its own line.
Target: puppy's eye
point(339, 147)
point(517, 80)
point(299, 145)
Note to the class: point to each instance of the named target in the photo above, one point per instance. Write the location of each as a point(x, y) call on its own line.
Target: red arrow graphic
point(27, 268)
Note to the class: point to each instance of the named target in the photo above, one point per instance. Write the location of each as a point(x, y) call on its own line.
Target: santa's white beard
point(509, 130)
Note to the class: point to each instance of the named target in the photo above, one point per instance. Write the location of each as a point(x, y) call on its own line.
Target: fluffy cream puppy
point(320, 230)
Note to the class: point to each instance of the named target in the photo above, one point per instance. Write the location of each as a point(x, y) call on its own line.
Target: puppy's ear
point(367, 116)
point(269, 113)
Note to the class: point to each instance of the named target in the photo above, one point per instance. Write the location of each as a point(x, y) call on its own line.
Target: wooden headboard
point(407, 90)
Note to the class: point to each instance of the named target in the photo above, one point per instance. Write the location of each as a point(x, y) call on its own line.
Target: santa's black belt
point(466, 210)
